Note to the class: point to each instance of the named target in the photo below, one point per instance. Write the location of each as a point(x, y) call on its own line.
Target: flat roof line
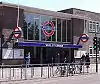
point(45, 12)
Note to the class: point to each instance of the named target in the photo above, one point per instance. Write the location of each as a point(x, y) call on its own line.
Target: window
point(92, 52)
point(35, 25)
point(45, 18)
point(90, 26)
point(59, 30)
point(31, 26)
point(64, 30)
point(98, 28)
point(94, 27)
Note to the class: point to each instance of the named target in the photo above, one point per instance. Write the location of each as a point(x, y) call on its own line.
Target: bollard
point(25, 72)
point(72, 70)
point(80, 68)
point(21, 72)
point(52, 70)
point(41, 71)
point(48, 70)
point(13, 72)
point(67, 70)
point(10, 74)
point(32, 72)
point(2, 70)
point(83, 68)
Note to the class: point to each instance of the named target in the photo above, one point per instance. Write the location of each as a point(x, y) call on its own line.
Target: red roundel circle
point(84, 38)
point(17, 35)
point(44, 30)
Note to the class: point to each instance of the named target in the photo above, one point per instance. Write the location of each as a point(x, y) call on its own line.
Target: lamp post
point(13, 48)
point(1, 52)
point(96, 58)
point(96, 51)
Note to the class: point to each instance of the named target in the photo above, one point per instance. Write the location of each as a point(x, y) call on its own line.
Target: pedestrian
point(87, 60)
point(28, 59)
point(82, 60)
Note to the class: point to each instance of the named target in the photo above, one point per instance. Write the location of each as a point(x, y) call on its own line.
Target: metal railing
point(36, 71)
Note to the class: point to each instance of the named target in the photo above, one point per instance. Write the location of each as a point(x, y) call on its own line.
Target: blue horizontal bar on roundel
point(48, 28)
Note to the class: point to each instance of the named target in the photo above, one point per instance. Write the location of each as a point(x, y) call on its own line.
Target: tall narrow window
point(54, 35)
point(97, 28)
point(36, 28)
point(90, 26)
point(59, 30)
point(46, 27)
point(94, 27)
point(63, 30)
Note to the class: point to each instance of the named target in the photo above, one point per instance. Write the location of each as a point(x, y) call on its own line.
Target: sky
point(56, 5)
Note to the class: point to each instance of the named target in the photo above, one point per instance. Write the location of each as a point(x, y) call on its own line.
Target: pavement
point(80, 79)
point(7, 75)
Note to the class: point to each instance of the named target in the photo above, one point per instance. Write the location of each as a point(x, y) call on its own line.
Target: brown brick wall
point(10, 20)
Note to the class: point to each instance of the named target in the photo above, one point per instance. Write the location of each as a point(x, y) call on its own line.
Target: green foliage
point(33, 31)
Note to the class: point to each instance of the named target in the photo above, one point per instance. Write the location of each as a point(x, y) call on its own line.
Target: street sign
point(17, 32)
point(46, 44)
point(84, 38)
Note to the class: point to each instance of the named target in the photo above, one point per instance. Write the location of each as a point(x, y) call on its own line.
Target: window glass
point(54, 35)
point(94, 27)
point(36, 27)
point(31, 26)
point(59, 30)
point(46, 27)
point(63, 30)
point(25, 29)
point(29, 21)
point(98, 27)
point(90, 26)
point(90, 51)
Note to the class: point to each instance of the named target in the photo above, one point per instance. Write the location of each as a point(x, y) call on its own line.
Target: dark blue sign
point(41, 44)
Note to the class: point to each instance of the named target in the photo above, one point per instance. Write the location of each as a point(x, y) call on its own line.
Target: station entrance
point(48, 55)
point(46, 52)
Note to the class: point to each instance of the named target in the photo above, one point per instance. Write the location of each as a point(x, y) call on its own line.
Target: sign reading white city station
point(54, 45)
point(48, 44)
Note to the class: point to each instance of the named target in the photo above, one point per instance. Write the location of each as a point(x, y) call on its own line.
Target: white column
point(56, 30)
point(61, 30)
point(40, 29)
point(27, 33)
point(18, 15)
point(84, 26)
point(66, 30)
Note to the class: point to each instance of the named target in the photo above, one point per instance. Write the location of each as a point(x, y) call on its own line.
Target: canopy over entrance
point(48, 44)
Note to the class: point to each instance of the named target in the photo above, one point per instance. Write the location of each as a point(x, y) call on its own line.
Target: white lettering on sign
point(49, 45)
point(59, 45)
point(54, 45)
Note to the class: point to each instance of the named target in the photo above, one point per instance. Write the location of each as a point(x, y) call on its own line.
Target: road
point(80, 79)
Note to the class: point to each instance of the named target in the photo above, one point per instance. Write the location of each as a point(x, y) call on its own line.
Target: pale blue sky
point(55, 5)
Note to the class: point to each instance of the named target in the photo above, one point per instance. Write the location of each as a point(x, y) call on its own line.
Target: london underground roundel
point(84, 38)
point(17, 32)
point(48, 25)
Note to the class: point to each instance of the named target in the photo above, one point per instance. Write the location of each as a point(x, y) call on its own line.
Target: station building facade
point(68, 27)
point(90, 26)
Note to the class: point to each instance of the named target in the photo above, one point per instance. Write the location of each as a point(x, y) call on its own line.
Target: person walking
point(87, 60)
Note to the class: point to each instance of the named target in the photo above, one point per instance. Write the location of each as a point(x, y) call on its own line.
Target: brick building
point(89, 26)
point(69, 25)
